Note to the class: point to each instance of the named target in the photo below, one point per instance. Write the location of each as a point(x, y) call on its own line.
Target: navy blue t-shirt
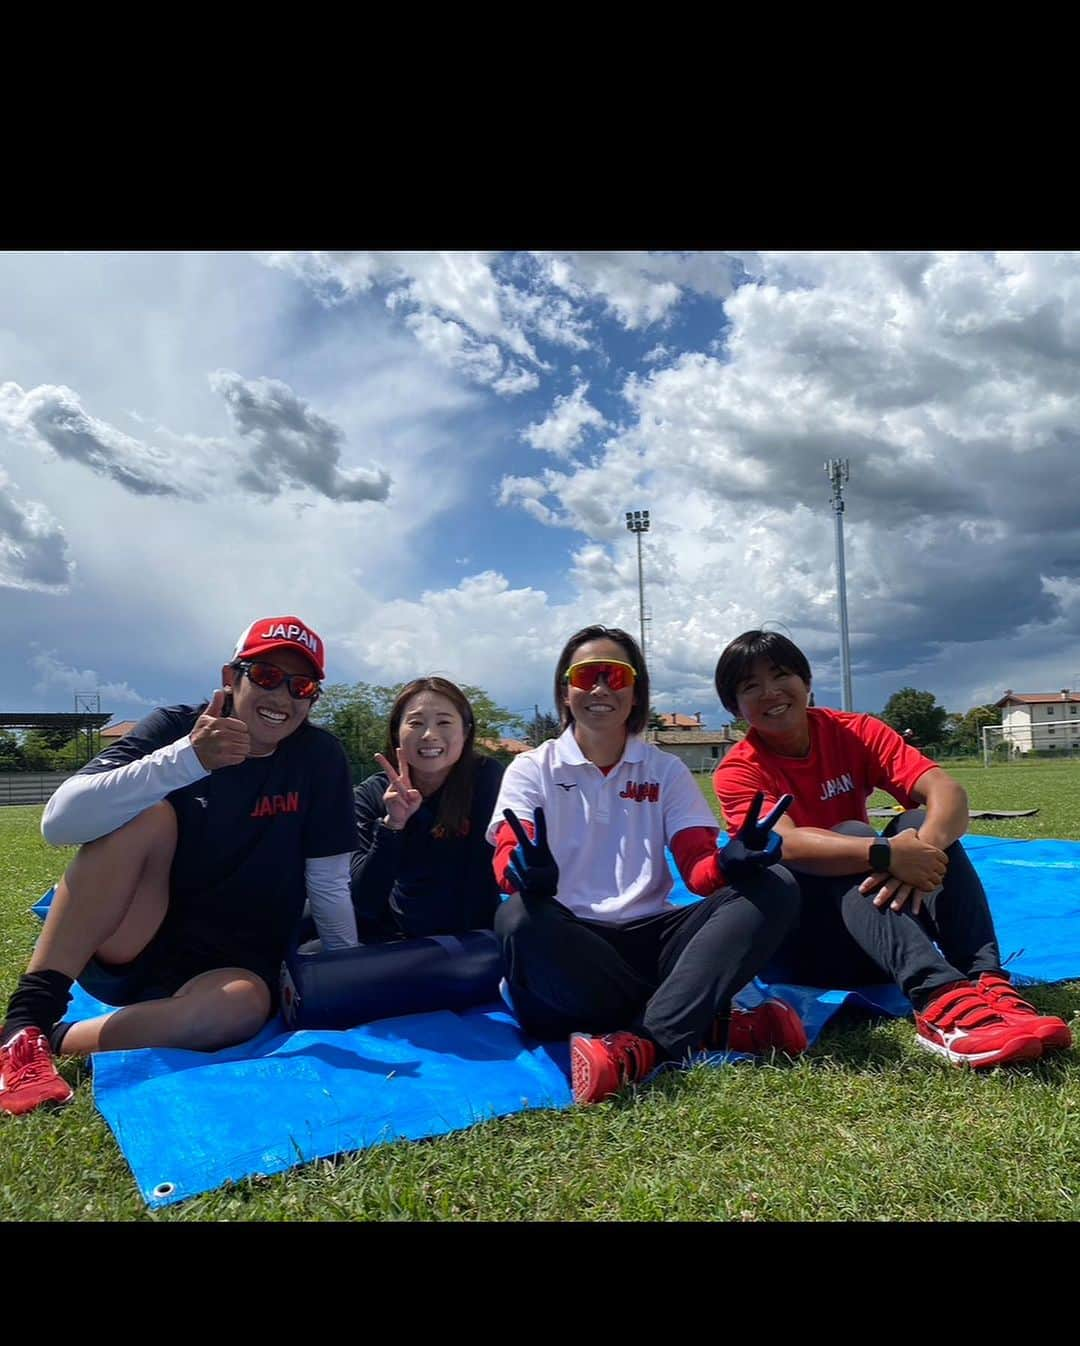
point(413, 883)
point(244, 832)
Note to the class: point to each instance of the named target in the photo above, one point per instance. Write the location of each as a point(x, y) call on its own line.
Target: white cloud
point(551, 316)
point(473, 310)
point(337, 276)
point(453, 304)
point(481, 624)
point(52, 417)
point(52, 674)
point(292, 445)
point(639, 288)
point(33, 546)
point(462, 285)
point(452, 344)
point(528, 493)
point(563, 429)
point(481, 361)
point(289, 444)
point(938, 377)
point(950, 380)
point(514, 380)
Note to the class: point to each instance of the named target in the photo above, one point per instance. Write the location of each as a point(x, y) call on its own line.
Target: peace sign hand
point(401, 797)
point(754, 846)
point(532, 866)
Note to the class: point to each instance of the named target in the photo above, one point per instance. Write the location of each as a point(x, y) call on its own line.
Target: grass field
point(864, 1127)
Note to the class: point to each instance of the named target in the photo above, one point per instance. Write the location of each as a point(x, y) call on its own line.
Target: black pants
point(667, 976)
point(843, 940)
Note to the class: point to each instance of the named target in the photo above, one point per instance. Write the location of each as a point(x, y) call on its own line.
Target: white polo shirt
point(607, 833)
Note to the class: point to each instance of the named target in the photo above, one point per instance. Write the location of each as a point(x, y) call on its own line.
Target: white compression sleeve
point(89, 806)
point(327, 878)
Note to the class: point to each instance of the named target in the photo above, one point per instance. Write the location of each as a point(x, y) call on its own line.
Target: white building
point(1041, 721)
point(701, 749)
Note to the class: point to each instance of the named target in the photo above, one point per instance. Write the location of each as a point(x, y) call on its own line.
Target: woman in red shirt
point(908, 903)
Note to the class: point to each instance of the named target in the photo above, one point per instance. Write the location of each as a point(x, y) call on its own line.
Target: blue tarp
point(189, 1121)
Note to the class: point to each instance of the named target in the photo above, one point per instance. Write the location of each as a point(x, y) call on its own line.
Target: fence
point(30, 787)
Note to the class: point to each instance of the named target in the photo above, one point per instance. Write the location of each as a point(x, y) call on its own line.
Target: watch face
point(880, 855)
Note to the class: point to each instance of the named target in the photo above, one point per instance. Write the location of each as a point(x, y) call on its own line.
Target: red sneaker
point(998, 991)
point(771, 1026)
point(601, 1066)
point(28, 1077)
point(962, 1027)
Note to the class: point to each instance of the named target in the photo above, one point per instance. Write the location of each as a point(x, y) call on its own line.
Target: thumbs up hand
point(220, 740)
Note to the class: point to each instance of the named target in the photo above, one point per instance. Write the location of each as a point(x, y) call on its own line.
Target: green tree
point(541, 727)
point(740, 726)
point(11, 753)
point(73, 754)
point(56, 739)
point(492, 721)
point(917, 716)
point(359, 714)
point(966, 738)
point(37, 753)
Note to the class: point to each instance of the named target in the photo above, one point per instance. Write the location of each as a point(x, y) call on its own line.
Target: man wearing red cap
point(201, 833)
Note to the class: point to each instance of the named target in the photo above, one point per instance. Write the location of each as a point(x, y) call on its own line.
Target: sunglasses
point(586, 674)
point(300, 686)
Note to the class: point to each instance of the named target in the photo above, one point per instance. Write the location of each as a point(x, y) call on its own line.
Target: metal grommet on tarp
point(163, 1190)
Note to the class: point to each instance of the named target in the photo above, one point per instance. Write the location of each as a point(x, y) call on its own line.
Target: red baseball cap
point(281, 633)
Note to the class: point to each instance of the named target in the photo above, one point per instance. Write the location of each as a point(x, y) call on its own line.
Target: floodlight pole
point(88, 703)
point(637, 521)
point(838, 472)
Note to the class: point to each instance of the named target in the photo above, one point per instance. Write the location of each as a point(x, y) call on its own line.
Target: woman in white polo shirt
point(593, 946)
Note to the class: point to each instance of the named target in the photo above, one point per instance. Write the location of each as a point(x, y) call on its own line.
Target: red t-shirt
point(850, 757)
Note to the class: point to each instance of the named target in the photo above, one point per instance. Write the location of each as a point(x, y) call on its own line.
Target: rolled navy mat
point(340, 988)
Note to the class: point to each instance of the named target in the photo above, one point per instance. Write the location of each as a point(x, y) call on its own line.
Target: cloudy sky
point(428, 457)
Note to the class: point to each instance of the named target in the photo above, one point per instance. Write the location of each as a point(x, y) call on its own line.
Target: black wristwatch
point(880, 855)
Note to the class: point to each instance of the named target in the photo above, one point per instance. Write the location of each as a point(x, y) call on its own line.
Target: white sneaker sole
point(1021, 1049)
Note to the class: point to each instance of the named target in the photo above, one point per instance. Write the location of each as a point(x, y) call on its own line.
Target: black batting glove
point(532, 866)
point(754, 846)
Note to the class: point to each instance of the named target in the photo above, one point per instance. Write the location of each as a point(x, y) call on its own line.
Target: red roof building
point(113, 732)
point(1040, 721)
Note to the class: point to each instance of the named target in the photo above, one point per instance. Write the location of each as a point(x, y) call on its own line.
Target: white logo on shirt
point(838, 785)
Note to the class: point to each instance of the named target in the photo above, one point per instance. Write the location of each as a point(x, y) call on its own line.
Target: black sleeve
point(481, 894)
point(329, 828)
point(375, 861)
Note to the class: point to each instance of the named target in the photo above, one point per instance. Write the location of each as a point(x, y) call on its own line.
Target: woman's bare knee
point(225, 1006)
point(249, 1003)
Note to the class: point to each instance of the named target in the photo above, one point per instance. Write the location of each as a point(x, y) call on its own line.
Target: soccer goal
point(1005, 743)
